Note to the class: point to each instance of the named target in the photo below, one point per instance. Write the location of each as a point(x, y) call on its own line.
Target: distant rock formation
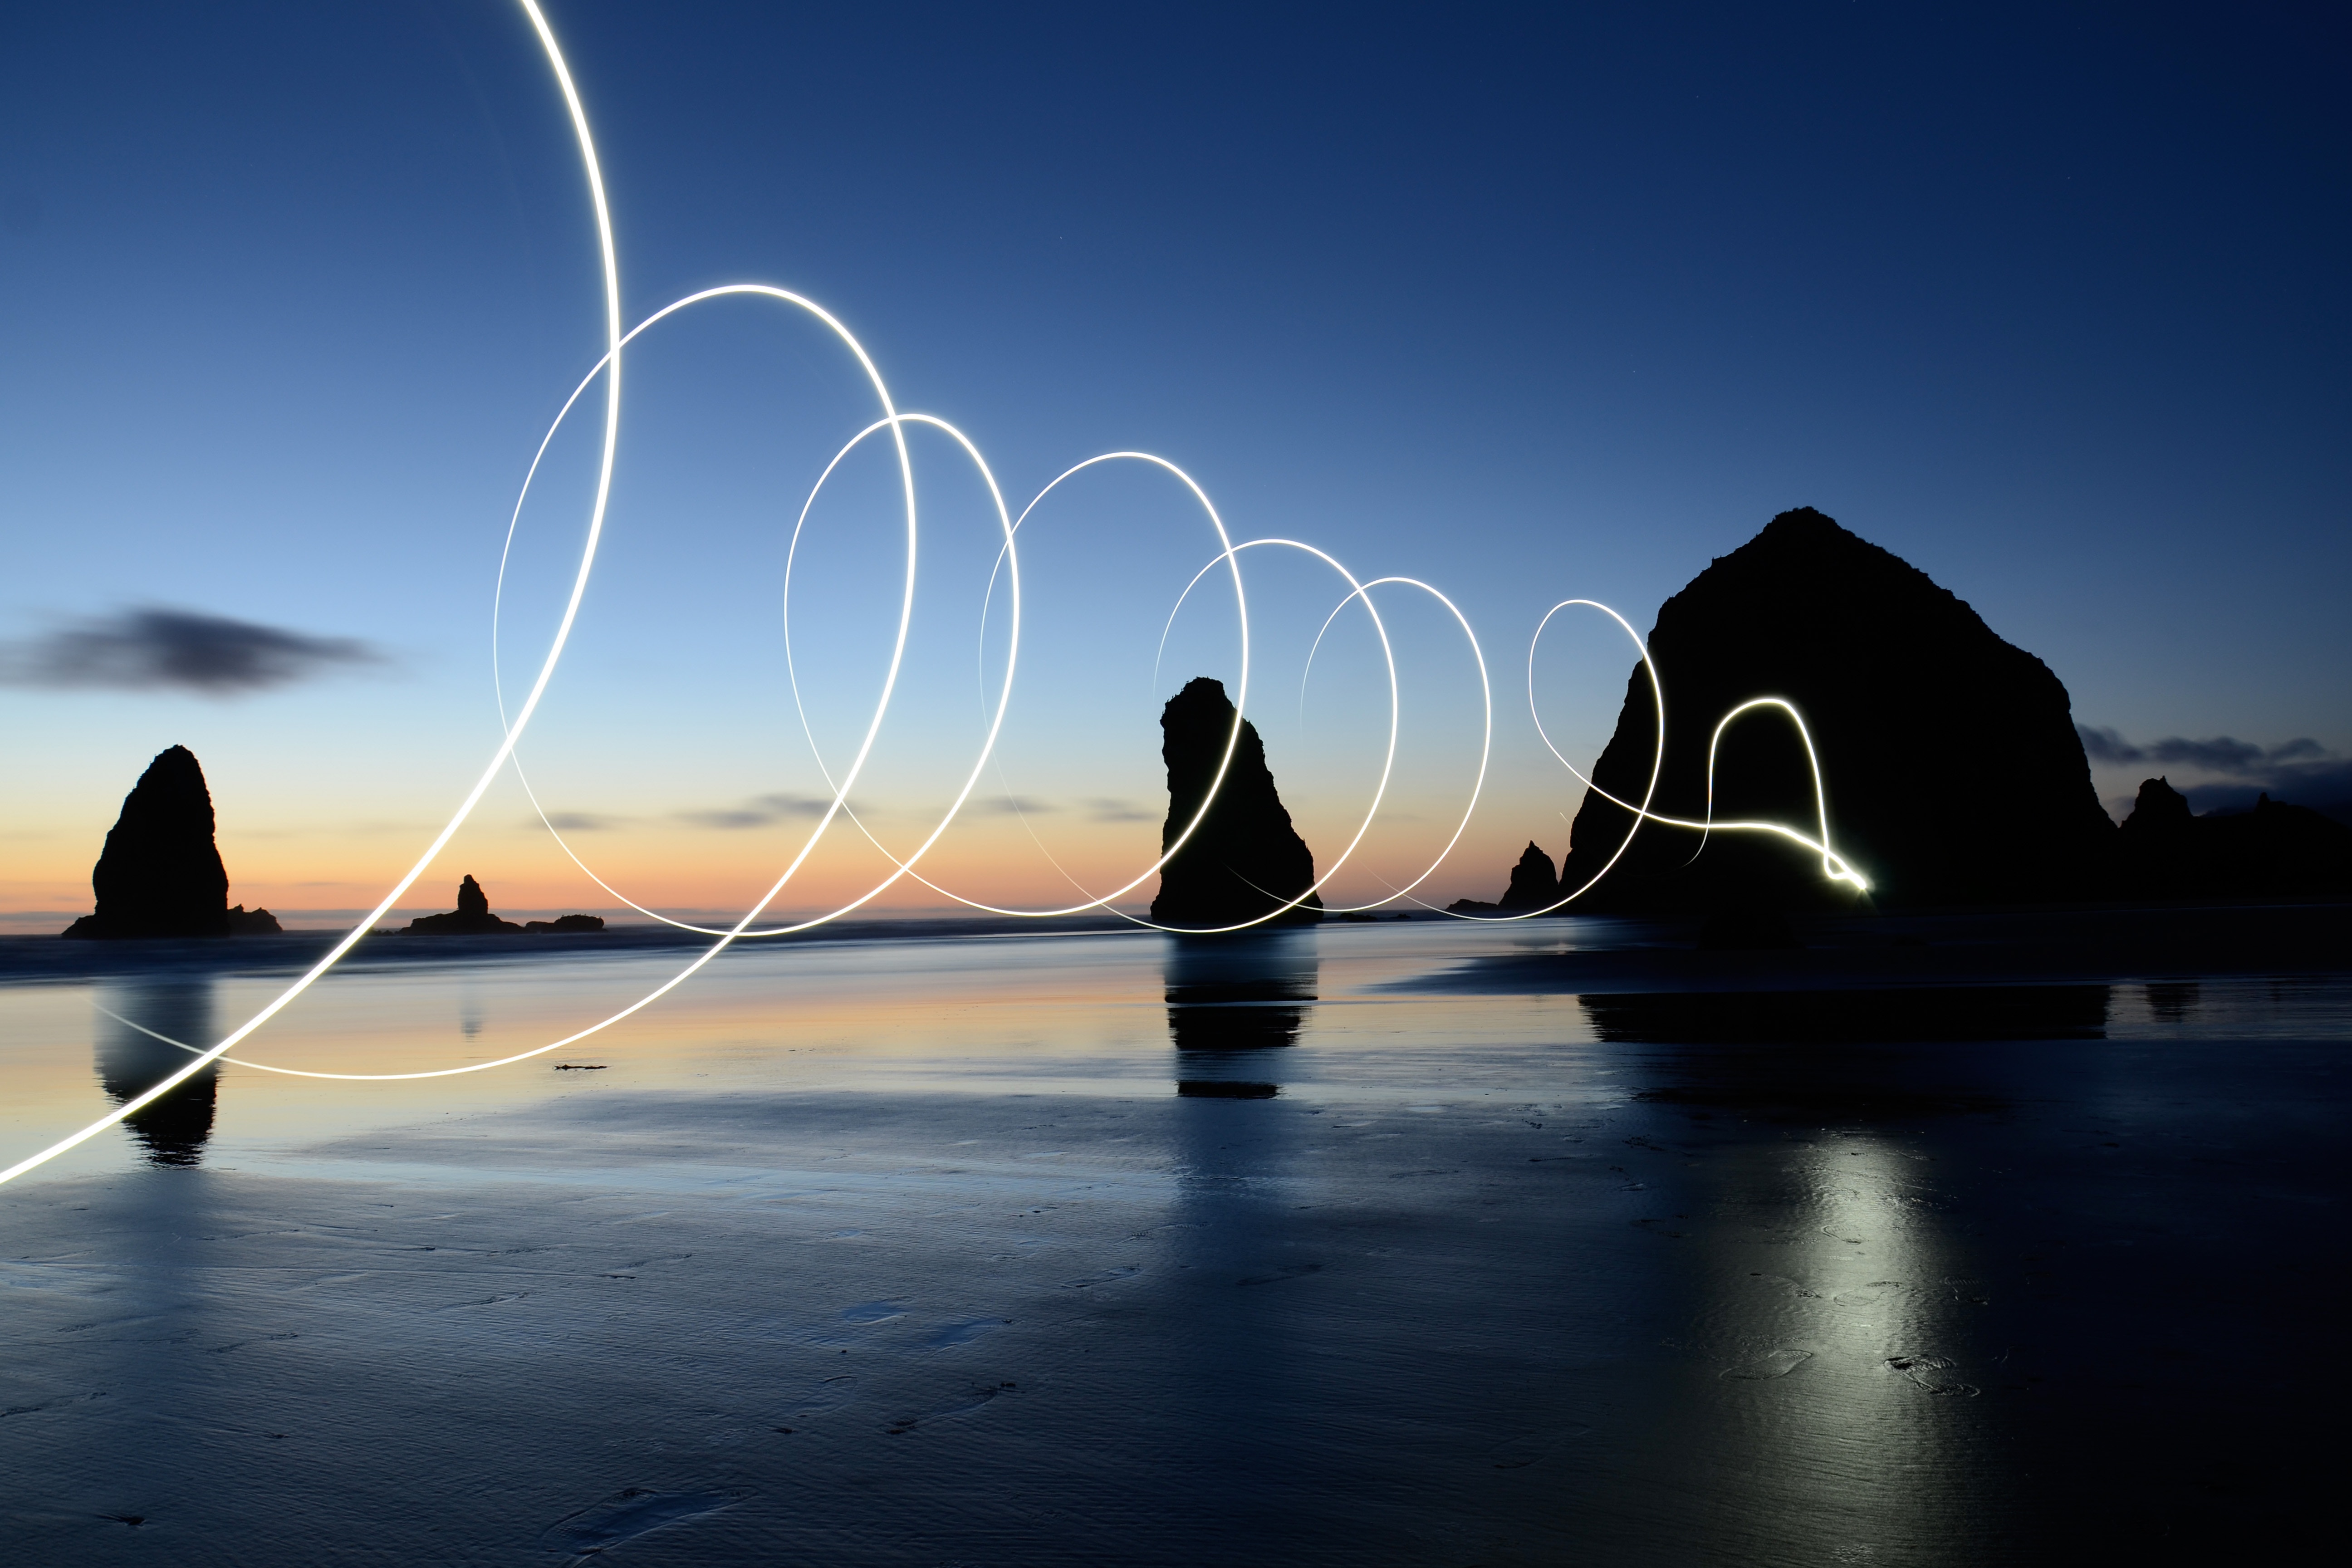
point(243, 922)
point(161, 873)
point(1952, 767)
point(1245, 858)
point(2275, 848)
point(472, 916)
point(1534, 886)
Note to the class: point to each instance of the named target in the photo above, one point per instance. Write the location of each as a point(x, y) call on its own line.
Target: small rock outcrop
point(1245, 858)
point(1535, 885)
point(1951, 760)
point(564, 925)
point(160, 873)
point(472, 916)
point(2167, 852)
point(243, 922)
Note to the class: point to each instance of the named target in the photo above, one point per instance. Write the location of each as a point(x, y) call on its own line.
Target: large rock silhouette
point(1245, 858)
point(1952, 768)
point(160, 873)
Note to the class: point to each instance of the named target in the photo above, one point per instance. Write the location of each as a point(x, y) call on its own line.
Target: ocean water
point(1983, 1240)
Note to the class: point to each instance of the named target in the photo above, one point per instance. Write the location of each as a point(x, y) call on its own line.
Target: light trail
point(1833, 866)
point(609, 368)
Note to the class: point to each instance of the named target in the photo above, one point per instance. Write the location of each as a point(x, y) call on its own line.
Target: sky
point(1528, 303)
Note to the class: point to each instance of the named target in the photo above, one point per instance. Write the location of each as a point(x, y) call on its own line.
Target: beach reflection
point(1235, 994)
point(173, 1129)
point(1838, 1312)
point(1841, 1418)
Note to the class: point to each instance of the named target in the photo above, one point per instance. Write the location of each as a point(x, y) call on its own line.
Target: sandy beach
point(1366, 1245)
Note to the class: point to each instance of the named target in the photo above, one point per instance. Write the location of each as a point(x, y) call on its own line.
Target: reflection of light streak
point(609, 368)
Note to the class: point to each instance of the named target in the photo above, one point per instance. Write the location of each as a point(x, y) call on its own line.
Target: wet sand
point(1377, 1245)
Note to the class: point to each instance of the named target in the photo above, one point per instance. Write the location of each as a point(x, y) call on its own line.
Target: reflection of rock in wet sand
point(1797, 1017)
point(2173, 1002)
point(1235, 994)
point(1802, 1055)
point(174, 1128)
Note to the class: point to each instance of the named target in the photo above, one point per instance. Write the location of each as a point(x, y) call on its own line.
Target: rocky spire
point(472, 916)
point(1534, 884)
point(161, 873)
point(1245, 857)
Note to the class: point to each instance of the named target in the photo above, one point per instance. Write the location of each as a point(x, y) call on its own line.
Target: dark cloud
point(578, 821)
point(1108, 810)
point(2219, 755)
point(2328, 793)
point(2107, 745)
point(2302, 770)
point(156, 649)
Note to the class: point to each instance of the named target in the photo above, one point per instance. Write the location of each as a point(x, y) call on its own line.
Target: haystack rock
point(1534, 886)
point(1951, 764)
point(161, 873)
point(1245, 858)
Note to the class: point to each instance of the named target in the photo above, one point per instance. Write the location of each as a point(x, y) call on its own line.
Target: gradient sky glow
point(1530, 302)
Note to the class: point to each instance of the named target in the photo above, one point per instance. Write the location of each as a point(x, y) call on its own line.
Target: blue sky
point(1530, 302)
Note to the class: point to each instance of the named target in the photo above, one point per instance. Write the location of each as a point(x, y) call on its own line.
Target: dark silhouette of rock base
point(1953, 770)
point(243, 922)
point(566, 924)
point(1534, 886)
point(161, 873)
point(2275, 848)
point(1246, 860)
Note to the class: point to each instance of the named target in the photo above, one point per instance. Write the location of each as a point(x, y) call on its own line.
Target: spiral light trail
point(609, 368)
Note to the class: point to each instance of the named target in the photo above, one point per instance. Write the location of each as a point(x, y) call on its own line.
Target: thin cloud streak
point(760, 811)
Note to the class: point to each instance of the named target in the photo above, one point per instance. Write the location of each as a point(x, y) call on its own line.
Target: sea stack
point(472, 916)
point(1245, 858)
point(160, 873)
point(1535, 885)
point(1949, 758)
